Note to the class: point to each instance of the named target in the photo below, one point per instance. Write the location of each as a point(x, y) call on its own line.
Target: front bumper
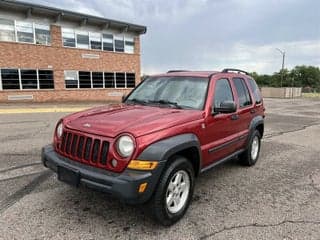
point(123, 186)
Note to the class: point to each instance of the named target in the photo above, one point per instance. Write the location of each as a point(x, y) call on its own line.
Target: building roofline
point(31, 8)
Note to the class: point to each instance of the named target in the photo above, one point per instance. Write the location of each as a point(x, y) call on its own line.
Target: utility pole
point(282, 69)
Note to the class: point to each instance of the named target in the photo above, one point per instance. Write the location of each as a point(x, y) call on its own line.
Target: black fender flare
point(162, 150)
point(256, 121)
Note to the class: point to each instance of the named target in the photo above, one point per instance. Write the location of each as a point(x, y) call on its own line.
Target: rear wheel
point(251, 155)
point(174, 192)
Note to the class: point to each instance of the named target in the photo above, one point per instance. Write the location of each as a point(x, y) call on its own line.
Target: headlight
point(125, 146)
point(59, 130)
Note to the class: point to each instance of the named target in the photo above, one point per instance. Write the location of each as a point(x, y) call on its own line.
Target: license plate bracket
point(69, 176)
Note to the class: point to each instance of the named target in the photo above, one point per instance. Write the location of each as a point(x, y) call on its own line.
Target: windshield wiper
point(139, 101)
point(166, 102)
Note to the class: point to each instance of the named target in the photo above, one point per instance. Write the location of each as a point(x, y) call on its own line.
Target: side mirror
point(124, 96)
point(225, 107)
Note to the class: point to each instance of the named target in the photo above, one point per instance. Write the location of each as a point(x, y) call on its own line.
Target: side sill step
point(223, 160)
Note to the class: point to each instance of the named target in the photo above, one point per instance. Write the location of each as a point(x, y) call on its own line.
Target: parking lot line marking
point(40, 110)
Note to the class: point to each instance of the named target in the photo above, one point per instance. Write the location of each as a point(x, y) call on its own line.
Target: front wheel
point(251, 155)
point(174, 192)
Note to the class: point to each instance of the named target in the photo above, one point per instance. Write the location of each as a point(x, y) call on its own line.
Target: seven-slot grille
point(83, 148)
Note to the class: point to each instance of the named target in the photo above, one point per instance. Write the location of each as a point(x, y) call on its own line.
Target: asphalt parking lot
point(278, 198)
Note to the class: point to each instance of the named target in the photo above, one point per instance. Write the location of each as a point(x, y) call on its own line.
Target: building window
point(42, 34)
point(97, 79)
point(120, 80)
point(108, 42)
point(95, 41)
point(24, 32)
point(84, 79)
point(129, 45)
point(46, 79)
point(119, 44)
point(82, 40)
point(109, 80)
point(29, 79)
point(71, 79)
point(131, 80)
point(68, 37)
point(7, 30)
point(10, 79)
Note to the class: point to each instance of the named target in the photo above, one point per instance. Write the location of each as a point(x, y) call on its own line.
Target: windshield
point(179, 92)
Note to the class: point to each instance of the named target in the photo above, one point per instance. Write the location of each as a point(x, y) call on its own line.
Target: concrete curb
point(41, 110)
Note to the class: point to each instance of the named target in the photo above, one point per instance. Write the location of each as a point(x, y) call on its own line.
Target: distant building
point(49, 54)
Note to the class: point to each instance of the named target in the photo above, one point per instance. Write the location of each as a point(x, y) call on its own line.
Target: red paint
point(149, 124)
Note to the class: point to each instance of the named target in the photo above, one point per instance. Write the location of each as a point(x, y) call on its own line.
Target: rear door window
point(243, 92)
point(255, 90)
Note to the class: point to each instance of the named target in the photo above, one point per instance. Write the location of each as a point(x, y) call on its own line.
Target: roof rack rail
point(173, 71)
point(226, 70)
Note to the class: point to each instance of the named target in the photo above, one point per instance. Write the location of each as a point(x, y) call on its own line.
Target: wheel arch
point(260, 128)
point(257, 123)
point(186, 145)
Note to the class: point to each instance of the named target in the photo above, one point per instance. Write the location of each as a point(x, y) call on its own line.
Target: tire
point(251, 155)
point(169, 185)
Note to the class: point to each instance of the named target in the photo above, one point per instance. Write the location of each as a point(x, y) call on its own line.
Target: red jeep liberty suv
point(150, 148)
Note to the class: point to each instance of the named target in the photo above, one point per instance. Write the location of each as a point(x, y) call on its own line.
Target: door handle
point(234, 117)
point(252, 111)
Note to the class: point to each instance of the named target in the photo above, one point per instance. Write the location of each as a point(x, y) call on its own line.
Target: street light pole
point(282, 69)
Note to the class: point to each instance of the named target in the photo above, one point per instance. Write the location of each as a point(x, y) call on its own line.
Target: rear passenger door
point(246, 109)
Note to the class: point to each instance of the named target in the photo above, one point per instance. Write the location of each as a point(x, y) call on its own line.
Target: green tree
point(300, 76)
point(262, 80)
point(306, 76)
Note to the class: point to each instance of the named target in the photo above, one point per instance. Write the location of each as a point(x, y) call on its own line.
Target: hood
point(138, 120)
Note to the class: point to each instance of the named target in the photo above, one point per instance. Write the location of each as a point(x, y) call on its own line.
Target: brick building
point(49, 54)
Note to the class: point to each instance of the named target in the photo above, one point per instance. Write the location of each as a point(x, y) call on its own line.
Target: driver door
point(221, 128)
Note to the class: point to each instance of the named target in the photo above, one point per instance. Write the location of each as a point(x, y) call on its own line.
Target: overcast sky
point(213, 34)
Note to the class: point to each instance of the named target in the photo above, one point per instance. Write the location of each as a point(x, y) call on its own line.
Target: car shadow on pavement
point(82, 204)
point(219, 193)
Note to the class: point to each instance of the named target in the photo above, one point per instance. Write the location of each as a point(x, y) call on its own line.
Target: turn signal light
point(142, 187)
point(142, 165)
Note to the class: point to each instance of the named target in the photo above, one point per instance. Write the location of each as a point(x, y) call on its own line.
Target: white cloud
point(71, 5)
point(207, 34)
point(258, 58)
point(266, 59)
point(173, 11)
point(179, 10)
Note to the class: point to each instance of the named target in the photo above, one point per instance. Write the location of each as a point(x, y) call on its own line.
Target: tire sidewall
point(255, 134)
point(182, 211)
point(178, 163)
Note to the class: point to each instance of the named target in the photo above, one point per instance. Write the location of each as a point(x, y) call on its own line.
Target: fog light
point(142, 187)
point(114, 163)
